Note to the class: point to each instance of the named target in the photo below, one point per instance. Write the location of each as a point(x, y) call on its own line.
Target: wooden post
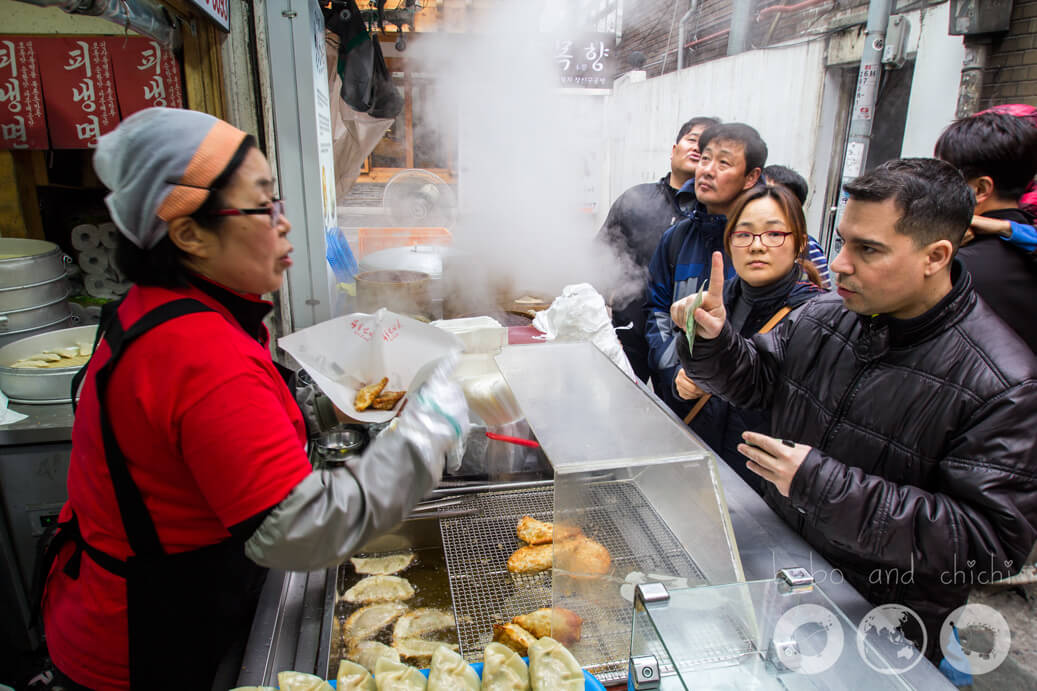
point(19, 206)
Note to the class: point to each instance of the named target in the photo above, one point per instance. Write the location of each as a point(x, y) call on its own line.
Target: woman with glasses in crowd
point(189, 474)
point(766, 241)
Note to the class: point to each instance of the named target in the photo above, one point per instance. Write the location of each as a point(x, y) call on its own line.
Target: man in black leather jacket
point(903, 407)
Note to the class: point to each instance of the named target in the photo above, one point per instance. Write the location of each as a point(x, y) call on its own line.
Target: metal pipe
point(738, 39)
point(142, 16)
point(789, 8)
point(681, 33)
point(863, 116)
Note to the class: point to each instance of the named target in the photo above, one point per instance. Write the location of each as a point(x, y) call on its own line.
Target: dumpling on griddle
point(418, 649)
point(367, 621)
point(300, 681)
point(380, 589)
point(367, 653)
point(395, 676)
point(449, 672)
point(553, 668)
point(382, 566)
point(353, 677)
point(503, 669)
point(423, 620)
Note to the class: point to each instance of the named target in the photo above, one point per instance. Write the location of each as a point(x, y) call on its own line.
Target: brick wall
point(1011, 74)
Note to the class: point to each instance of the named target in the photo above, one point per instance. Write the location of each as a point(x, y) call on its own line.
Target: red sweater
point(212, 436)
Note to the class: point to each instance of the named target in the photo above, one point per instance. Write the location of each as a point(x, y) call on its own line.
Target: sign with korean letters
point(585, 61)
point(79, 90)
point(146, 75)
point(22, 121)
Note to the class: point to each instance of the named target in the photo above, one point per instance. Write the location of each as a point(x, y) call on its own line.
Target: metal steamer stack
point(34, 289)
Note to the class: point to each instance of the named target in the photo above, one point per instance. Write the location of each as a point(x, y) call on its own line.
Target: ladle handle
point(513, 440)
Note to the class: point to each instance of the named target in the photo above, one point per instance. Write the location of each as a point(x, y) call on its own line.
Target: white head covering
point(138, 159)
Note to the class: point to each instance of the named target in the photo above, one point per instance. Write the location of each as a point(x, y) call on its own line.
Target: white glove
point(439, 410)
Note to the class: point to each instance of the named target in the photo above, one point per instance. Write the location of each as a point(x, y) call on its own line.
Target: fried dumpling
point(582, 557)
point(382, 566)
point(380, 589)
point(300, 681)
point(535, 532)
point(503, 669)
point(449, 672)
point(368, 653)
point(559, 623)
point(531, 559)
point(513, 636)
point(367, 621)
point(553, 668)
point(353, 677)
point(418, 649)
point(421, 621)
point(395, 676)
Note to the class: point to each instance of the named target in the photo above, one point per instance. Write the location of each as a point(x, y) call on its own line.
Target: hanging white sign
point(218, 10)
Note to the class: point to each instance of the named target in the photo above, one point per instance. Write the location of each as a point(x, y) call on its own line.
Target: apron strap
point(136, 520)
point(771, 323)
point(108, 311)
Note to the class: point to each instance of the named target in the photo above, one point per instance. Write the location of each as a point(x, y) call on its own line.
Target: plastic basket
point(375, 239)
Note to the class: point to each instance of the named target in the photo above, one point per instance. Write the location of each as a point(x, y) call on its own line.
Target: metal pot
point(427, 259)
point(33, 288)
point(41, 385)
point(405, 292)
point(23, 322)
point(27, 262)
point(33, 294)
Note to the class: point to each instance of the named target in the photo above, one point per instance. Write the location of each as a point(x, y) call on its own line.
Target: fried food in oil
point(513, 636)
point(559, 623)
point(531, 559)
point(387, 400)
point(582, 556)
point(422, 621)
point(379, 589)
point(365, 396)
point(535, 532)
point(367, 621)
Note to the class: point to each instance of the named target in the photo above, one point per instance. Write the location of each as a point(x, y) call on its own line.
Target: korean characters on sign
point(22, 122)
point(79, 89)
point(146, 75)
point(586, 62)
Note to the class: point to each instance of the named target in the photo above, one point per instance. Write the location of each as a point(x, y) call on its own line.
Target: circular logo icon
point(798, 639)
point(982, 641)
point(884, 639)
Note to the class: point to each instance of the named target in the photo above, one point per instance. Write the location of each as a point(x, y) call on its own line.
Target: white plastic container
point(479, 334)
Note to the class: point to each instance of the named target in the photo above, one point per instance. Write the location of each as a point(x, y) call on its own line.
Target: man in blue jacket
point(733, 156)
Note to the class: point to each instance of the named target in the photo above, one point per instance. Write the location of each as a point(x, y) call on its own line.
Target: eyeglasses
point(275, 211)
point(771, 238)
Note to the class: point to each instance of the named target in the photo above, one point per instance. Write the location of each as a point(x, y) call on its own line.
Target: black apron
point(185, 609)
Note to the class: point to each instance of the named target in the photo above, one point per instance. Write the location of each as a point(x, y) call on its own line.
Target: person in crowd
point(783, 175)
point(766, 239)
point(189, 475)
point(733, 156)
point(997, 154)
point(633, 227)
point(901, 443)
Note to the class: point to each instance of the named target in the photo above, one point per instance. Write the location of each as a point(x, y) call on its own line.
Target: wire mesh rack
point(484, 592)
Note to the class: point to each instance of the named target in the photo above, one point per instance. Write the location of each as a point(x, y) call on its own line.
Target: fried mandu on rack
point(559, 623)
point(365, 396)
point(387, 400)
point(583, 557)
point(531, 559)
point(513, 636)
point(534, 532)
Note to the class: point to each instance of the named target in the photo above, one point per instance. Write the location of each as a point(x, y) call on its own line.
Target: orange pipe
point(718, 34)
point(789, 8)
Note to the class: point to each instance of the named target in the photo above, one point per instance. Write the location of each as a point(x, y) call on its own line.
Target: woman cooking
point(189, 475)
point(766, 239)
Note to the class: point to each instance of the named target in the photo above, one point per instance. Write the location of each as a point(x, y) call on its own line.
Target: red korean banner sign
point(146, 75)
point(22, 121)
point(79, 89)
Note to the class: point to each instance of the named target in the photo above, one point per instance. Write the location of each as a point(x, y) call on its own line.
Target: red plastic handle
point(513, 440)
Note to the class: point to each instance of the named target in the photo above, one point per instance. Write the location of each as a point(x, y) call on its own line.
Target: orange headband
point(212, 158)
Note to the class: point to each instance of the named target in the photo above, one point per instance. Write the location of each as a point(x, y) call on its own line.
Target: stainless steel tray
point(484, 592)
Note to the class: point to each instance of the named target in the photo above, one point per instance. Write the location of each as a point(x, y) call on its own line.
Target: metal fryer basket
point(478, 545)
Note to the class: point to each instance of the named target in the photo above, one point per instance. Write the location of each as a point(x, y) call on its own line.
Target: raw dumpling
point(367, 621)
point(353, 677)
point(421, 621)
point(380, 589)
point(418, 649)
point(394, 676)
point(553, 668)
point(367, 653)
point(300, 681)
point(449, 672)
point(503, 669)
point(382, 566)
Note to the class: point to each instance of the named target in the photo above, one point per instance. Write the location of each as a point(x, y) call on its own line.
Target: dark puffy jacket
point(720, 424)
point(923, 477)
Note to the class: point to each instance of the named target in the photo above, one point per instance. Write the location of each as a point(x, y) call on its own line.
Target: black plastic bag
point(366, 83)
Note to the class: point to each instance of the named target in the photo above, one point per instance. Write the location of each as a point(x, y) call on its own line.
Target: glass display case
point(636, 495)
point(780, 633)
